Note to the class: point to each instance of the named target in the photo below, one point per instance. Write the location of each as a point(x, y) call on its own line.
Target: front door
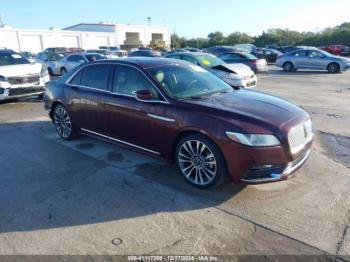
point(139, 124)
point(316, 60)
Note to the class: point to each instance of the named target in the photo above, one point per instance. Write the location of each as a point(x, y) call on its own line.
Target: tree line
point(333, 35)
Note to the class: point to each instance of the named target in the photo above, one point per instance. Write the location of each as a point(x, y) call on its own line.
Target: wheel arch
point(194, 131)
point(54, 104)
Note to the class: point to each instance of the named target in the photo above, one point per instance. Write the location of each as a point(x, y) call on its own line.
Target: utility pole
point(149, 20)
point(1, 23)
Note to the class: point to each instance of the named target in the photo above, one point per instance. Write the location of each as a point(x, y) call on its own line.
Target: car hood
point(19, 70)
point(272, 110)
point(239, 69)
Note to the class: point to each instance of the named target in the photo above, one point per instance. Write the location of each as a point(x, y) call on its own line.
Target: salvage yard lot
point(91, 197)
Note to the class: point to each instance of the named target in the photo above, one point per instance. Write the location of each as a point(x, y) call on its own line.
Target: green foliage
point(335, 35)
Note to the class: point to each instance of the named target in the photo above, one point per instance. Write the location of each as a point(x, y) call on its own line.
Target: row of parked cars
point(236, 65)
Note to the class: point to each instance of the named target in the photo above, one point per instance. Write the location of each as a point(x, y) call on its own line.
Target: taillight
point(253, 62)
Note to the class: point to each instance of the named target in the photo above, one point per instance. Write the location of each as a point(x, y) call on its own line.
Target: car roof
point(7, 51)
point(144, 62)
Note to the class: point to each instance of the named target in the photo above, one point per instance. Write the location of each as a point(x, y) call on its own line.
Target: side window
point(300, 54)
point(225, 56)
point(76, 79)
point(268, 52)
point(76, 59)
point(127, 80)
point(174, 56)
point(95, 76)
point(315, 54)
point(189, 59)
point(43, 57)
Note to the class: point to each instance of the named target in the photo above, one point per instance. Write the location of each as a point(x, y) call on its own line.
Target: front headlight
point(257, 140)
point(44, 71)
point(3, 79)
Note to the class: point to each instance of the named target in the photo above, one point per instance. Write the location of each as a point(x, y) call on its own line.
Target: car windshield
point(188, 81)
point(12, 59)
point(94, 57)
point(209, 60)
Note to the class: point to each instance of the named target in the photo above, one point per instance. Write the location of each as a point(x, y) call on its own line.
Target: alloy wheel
point(197, 162)
point(62, 122)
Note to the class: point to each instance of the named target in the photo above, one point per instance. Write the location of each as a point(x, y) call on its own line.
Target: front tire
point(288, 67)
point(200, 161)
point(333, 68)
point(63, 123)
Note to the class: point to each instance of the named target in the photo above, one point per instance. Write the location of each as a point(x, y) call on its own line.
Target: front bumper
point(10, 91)
point(346, 66)
point(254, 165)
point(246, 83)
point(262, 68)
point(269, 174)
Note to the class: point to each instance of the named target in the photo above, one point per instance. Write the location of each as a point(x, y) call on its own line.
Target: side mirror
point(144, 95)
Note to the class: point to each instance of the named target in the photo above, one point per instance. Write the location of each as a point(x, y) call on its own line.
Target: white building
point(86, 36)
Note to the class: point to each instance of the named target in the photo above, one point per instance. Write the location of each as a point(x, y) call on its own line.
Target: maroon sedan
point(180, 112)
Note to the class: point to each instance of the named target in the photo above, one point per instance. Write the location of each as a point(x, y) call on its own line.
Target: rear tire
point(288, 66)
point(200, 161)
point(63, 123)
point(333, 68)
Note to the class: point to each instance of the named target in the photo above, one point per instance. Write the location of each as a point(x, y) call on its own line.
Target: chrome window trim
point(119, 94)
point(120, 141)
point(166, 119)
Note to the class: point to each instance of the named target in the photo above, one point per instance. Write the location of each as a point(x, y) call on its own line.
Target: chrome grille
point(299, 136)
point(24, 79)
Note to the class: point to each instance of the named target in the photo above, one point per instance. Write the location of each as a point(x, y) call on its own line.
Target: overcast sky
point(189, 18)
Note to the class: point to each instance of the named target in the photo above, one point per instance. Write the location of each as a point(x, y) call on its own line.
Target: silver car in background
point(51, 61)
point(106, 53)
point(72, 61)
point(313, 59)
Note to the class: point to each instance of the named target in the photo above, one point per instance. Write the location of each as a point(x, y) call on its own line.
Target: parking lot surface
point(91, 197)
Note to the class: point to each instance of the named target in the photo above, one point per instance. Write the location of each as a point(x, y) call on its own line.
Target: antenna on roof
point(149, 20)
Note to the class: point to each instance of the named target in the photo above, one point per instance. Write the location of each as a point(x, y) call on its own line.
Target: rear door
point(88, 90)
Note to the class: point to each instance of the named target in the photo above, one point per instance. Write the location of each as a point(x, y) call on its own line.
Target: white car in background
point(19, 77)
point(104, 52)
point(115, 50)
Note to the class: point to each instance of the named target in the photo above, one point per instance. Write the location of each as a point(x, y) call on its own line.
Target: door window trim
point(109, 82)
